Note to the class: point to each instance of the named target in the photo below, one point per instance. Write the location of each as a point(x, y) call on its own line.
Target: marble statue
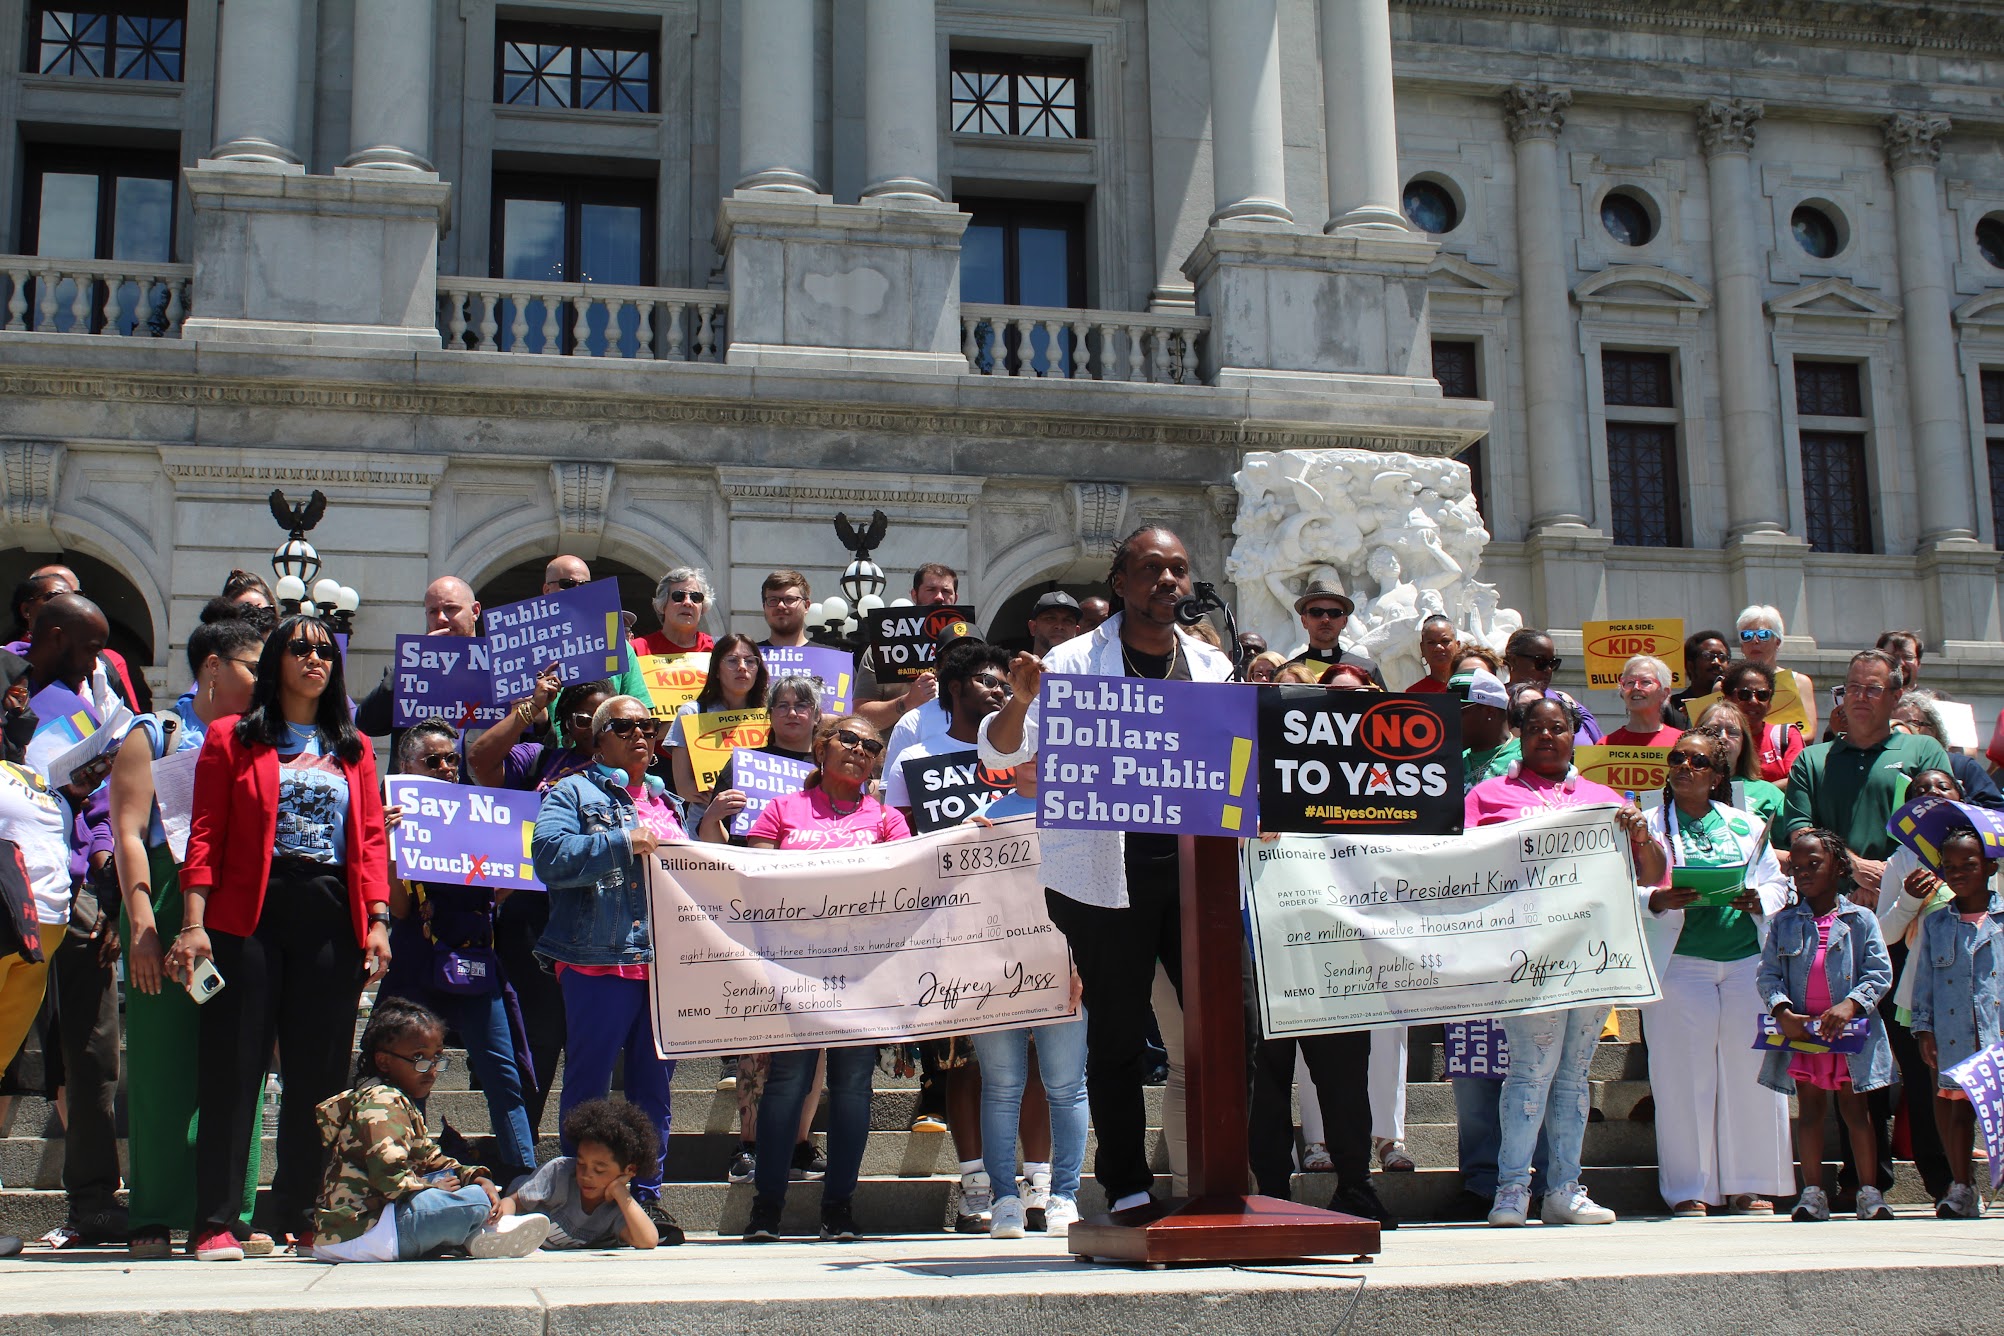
point(1400, 533)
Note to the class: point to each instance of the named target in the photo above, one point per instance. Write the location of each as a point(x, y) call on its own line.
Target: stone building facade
point(1715, 292)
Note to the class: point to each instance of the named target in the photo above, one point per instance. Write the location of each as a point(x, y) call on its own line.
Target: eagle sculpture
point(864, 543)
point(296, 520)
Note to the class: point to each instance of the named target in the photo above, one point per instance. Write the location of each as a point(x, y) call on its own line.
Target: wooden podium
point(1220, 1222)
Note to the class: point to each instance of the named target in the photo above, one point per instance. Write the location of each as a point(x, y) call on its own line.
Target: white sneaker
point(1960, 1203)
point(1568, 1204)
point(1513, 1206)
point(1812, 1207)
point(977, 1199)
point(514, 1236)
point(1036, 1194)
point(1007, 1221)
point(1060, 1215)
point(1872, 1205)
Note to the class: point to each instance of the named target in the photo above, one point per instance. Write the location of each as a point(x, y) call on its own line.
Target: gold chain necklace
point(1175, 652)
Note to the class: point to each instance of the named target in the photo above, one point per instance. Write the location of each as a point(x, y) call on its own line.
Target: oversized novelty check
point(758, 950)
point(1540, 914)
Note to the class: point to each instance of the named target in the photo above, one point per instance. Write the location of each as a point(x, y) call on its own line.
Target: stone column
point(257, 81)
point(776, 96)
point(1248, 170)
point(1359, 122)
point(1756, 475)
point(1934, 391)
point(1561, 465)
point(389, 121)
point(900, 101)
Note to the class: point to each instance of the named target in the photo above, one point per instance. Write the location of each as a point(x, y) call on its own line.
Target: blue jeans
point(482, 1023)
point(436, 1218)
point(605, 1016)
point(1546, 1088)
point(1479, 1136)
point(786, 1084)
point(1005, 1068)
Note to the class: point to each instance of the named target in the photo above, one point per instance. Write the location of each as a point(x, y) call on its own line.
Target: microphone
point(1191, 609)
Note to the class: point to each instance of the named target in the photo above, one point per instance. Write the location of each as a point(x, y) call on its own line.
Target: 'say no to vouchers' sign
point(443, 677)
point(1358, 761)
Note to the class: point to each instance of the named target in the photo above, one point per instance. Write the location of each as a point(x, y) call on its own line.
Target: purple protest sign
point(578, 630)
point(761, 777)
point(1921, 824)
point(1477, 1049)
point(443, 677)
point(835, 667)
point(1982, 1079)
point(461, 834)
point(1129, 753)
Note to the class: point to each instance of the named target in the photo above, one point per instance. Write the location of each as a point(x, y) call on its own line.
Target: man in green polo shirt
point(1855, 784)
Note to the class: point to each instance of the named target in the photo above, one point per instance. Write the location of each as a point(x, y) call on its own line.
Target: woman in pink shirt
point(834, 811)
point(1549, 1051)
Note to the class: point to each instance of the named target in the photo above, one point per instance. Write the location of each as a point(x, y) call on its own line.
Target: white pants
point(1387, 1080)
point(1719, 1131)
point(1169, 1020)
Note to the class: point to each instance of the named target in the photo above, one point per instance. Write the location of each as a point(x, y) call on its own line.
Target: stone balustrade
point(51, 295)
point(1053, 341)
point(504, 315)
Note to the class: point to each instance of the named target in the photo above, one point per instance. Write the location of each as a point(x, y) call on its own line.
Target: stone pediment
point(1456, 280)
point(1983, 311)
point(1833, 299)
point(1633, 290)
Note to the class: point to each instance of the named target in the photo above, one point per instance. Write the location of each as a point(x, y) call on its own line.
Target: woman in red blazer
point(287, 891)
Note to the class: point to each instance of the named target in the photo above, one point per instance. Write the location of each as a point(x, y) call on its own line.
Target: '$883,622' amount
point(985, 857)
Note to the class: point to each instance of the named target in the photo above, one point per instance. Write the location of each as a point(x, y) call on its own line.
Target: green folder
point(1715, 885)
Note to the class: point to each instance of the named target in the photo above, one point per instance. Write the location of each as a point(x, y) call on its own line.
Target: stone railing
point(1054, 341)
point(506, 315)
point(119, 297)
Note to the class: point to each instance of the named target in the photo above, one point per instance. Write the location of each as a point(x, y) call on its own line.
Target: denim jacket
point(1858, 968)
point(583, 854)
point(1958, 971)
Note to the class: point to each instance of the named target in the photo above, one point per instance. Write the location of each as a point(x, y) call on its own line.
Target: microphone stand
point(1203, 599)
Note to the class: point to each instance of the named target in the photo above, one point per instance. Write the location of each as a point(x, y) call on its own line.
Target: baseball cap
point(1057, 598)
point(952, 634)
point(1479, 686)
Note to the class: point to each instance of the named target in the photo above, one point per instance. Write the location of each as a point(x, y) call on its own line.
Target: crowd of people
point(253, 938)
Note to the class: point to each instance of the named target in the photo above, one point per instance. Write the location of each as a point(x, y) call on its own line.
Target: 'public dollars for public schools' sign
point(759, 950)
point(1540, 914)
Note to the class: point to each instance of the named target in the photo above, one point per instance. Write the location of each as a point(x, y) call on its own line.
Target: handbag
point(20, 927)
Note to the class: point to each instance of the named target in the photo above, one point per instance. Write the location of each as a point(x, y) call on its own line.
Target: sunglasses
point(1754, 633)
point(1323, 614)
point(301, 647)
point(423, 1065)
point(1547, 665)
point(1761, 695)
point(625, 726)
point(685, 596)
point(1677, 760)
point(854, 740)
point(566, 582)
point(441, 761)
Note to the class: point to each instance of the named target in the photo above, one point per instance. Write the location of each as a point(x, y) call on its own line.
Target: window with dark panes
point(137, 39)
point(588, 69)
point(1993, 427)
point(1454, 366)
point(1032, 97)
point(1644, 480)
point(1836, 480)
point(566, 229)
point(1023, 253)
point(98, 204)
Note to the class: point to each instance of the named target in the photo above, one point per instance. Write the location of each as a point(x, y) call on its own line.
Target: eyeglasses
point(685, 596)
point(249, 665)
point(1756, 633)
point(783, 600)
point(423, 1065)
point(790, 707)
point(1545, 665)
point(750, 661)
point(1762, 695)
point(566, 582)
point(440, 761)
point(626, 724)
point(1726, 731)
point(1871, 691)
point(992, 681)
point(854, 740)
point(1637, 683)
point(301, 647)
point(1677, 760)
point(1325, 613)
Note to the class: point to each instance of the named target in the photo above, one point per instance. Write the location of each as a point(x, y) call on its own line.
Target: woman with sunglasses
point(834, 811)
point(1721, 1137)
point(162, 1023)
point(1725, 721)
point(286, 889)
point(679, 601)
point(1750, 686)
point(592, 830)
point(1532, 660)
point(443, 958)
point(737, 681)
point(1760, 631)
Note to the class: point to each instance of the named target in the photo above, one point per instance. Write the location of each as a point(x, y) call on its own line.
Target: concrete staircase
point(911, 1183)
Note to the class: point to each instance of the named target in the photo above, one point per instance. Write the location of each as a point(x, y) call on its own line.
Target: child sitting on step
point(586, 1196)
point(390, 1194)
point(1956, 969)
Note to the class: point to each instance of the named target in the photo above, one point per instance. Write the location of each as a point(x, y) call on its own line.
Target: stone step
point(1613, 1060)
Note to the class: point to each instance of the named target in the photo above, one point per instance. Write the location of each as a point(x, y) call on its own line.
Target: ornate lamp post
point(837, 618)
point(295, 562)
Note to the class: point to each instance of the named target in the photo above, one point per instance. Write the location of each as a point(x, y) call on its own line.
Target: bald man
point(53, 579)
point(565, 573)
point(450, 609)
point(66, 637)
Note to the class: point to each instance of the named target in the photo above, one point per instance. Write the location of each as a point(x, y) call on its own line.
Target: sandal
point(1688, 1210)
point(1394, 1158)
point(149, 1243)
point(259, 1244)
point(1747, 1203)
point(1315, 1159)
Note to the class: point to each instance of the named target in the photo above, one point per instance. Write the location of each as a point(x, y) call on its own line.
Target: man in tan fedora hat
point(1325, 610)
